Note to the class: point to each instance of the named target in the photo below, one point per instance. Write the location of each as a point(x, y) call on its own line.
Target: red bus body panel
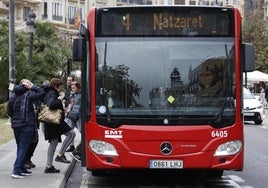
point(137, 145)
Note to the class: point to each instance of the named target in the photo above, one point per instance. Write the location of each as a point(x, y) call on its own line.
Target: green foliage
point(255, 32)
point(3, 110)
point(4, 60)
point(50, 54)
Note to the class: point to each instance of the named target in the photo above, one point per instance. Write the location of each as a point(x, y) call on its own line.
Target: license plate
point(166, 164)
point(249, 114)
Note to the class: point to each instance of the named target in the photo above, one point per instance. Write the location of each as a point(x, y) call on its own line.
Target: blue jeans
point(74, 123)
point(23, 137)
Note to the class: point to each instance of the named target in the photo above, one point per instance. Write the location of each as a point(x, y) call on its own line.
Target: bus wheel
point(215, 173)
point(98, 172)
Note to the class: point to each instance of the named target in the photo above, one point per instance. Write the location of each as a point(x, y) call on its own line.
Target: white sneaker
point(17, 176)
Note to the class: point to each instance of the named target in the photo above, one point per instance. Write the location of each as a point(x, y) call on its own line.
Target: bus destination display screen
point(165, 22)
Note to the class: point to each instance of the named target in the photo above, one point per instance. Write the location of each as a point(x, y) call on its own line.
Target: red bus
point(162, 88)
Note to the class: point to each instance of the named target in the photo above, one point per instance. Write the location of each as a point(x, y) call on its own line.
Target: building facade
point(64, 13)
point(3, 10)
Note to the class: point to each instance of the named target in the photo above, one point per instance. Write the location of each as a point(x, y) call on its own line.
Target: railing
point(57, 18)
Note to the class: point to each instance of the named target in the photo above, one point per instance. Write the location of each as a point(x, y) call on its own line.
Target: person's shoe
point(62, 159)
point(26, 173)
point(27, 166)
point(29, 163)
point(76, 155)
point(51, 169)
point(70, 149)
point(17, 176)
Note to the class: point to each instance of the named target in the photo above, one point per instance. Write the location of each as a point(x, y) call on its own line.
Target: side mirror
point(79, 49)
point(248, 57)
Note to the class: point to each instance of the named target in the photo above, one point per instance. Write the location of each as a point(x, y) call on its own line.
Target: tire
point(98, 172)
point(258, 122)
point(215, 173)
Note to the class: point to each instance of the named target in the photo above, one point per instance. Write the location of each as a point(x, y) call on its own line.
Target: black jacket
point(53, 131)
point(20, 105)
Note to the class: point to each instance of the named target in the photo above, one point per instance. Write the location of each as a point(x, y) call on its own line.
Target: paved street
point(38, 179)
point(253, 175)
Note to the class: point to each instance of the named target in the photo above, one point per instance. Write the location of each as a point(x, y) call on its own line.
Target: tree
point(52, 52)
point(4, 62)
point(50, 55)
point(255, 32)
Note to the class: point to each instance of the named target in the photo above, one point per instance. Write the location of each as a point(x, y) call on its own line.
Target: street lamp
point(30, 30)
point(12, 69)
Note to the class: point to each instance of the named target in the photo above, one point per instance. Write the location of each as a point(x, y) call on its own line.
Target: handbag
point(48, 115)
point(72, 115)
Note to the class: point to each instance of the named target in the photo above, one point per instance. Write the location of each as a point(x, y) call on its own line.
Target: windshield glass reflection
point(160, 76)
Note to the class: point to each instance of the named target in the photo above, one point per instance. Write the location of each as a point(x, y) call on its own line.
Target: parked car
point(253, 109)
point(257, 96)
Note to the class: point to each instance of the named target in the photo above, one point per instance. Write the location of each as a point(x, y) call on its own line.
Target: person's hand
point(61, 97)
point(28, 86)
point(72, 102)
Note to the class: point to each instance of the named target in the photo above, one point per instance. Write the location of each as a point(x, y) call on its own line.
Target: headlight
point(103, 148)
point(228, 148)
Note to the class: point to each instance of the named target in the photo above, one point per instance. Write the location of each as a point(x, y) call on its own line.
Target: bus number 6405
point(219, 134)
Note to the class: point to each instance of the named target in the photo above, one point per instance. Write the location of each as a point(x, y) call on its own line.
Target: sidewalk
point(38, 179)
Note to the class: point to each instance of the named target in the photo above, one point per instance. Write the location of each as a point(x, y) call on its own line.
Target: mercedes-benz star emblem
point(166, 148)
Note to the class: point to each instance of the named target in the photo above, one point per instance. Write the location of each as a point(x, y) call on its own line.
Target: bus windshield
point(165, 80)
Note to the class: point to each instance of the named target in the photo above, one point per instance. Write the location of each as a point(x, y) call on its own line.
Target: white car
point(253, 109)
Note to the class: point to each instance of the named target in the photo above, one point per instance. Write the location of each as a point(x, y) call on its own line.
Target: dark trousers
point(30, 151)
point(23, 137)
point(32, 146)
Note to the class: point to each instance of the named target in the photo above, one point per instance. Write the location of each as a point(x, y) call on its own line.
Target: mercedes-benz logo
point(166, 148)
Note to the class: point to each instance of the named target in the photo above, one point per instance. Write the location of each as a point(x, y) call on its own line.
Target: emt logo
point(113, 134)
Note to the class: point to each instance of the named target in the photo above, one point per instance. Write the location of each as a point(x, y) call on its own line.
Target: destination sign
point(165, 21)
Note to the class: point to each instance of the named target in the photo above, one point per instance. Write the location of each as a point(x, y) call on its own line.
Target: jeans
point(32, 146)
point(23, 137)
point(74, 123)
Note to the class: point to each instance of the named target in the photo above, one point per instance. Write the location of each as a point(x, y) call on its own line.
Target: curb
point(68, 173)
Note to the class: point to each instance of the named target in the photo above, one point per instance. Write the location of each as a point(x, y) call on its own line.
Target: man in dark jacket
point(29, 154)
point(20, 109)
